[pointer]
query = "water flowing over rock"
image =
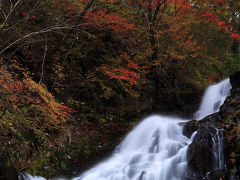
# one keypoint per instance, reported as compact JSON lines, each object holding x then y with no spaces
{"x":205,"y":153}
{"x":155,"y":149}
{"x":226,"y":139}
{"x":217,"y":174}
{"x":169,"y":148}
{"x":190,"y":127}
{"x":213,"y":98}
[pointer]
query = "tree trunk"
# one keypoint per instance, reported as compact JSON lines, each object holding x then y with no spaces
{"x":234,"y":47}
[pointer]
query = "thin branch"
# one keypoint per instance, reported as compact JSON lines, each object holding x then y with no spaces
{"x":148,"y":23}
{"x":12,"y":9}
{"x":123,"y":1}
{"x":24,"y":19}
{"x":65,"y":58}
{"x":64,"y":25}
{"x":43,"y":61}
{"x":36,"y":33}
{"x":86,"y":9}
{"x":1,"y":2}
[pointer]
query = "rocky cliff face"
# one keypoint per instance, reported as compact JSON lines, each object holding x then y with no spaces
{"x":215,"y":151}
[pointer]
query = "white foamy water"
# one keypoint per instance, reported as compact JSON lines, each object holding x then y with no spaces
{"x":218,"y":149}
{"x":156,"y":148}
{"x":213,"y":98}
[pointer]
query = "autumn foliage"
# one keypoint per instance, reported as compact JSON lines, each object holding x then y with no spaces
{"x":100,"y":65}
{"x":226,"y":27}
{"x":127,"y":73}
{"x":17,"y":94}
{"x":104,"y":20}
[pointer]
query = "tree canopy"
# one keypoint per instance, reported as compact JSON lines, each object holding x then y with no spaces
{"x":98,"y":65}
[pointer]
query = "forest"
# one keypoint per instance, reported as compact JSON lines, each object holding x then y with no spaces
{"x":77,"y":75}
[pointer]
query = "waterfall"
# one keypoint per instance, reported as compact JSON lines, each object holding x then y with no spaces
{"x":218,"y":149}
{"x":156,"y":148}
{"x":213,"y":98}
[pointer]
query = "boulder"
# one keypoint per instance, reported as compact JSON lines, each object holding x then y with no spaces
{"x":235,"y":80}
{"x":200,"y":155}
{"x":190,"y":127}
{"x":231,"y":104}
{"x":217,"y":174}
{"x":211,"y":120}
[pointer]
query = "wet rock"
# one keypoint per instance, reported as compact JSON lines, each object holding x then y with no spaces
{"x":217,"y":174}
{"x":231,"y":104}
{"x":190,"y":175}
{"x":190,"y":127}
{"x":200,"y":153}
{"x":211,"y":120}
{"x":235,"y":80}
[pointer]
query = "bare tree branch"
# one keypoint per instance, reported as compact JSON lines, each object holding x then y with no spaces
{"x":10,"y":12}
{"x":88,"y":6}
{"x":43,"y":61}
{"x":1,"y":4}
{"x":65,"y":58}
{"x":36,"y":6}
{"x":123,"y":1}
{"x":45,"y":30}
{"x":65,"y":25}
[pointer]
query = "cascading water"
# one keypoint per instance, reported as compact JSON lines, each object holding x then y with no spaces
{"x":218,"y":149}
{"x":156,"y":148}
{"x":213,"y":98}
